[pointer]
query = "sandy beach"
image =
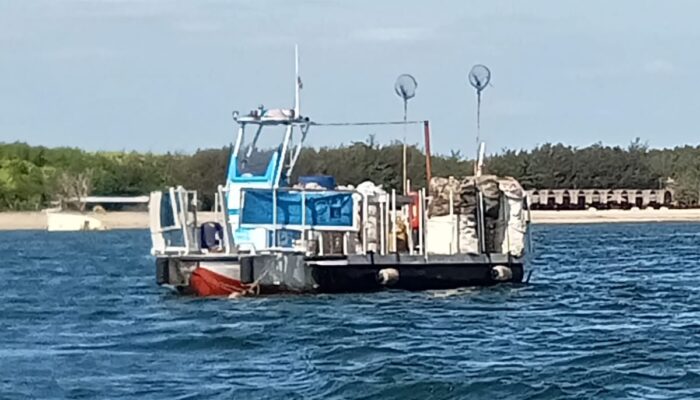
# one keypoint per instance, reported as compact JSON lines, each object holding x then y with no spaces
{"x":613,"y":216}
{"x":37,"y":220}
{"x":139,"y":220}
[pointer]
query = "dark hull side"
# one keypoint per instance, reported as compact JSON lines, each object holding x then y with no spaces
{"x":411,"y":277}
{"x":362,"y":273}
{"x":292,"y":273}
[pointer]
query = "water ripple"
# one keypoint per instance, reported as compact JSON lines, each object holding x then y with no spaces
{"x":611,"y":312}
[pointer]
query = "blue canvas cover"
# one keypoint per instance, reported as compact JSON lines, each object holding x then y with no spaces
{"x":285,"y":237}
{"x":325,"y":181}
{"x":323,"y":209}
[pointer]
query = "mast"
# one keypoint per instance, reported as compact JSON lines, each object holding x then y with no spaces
{"x":479,"y":78}
{"x":405,"y":87}
{"x":297,"y":83}
{"x":404,"y":161}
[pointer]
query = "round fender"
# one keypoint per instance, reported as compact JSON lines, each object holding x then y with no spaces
{"x":388,"y":276}
{"x":501,"y":273}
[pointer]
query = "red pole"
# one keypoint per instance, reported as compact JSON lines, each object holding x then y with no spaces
{"x":428,"y":171}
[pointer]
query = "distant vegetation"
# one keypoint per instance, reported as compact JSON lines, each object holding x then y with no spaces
{"x":32,"y":177}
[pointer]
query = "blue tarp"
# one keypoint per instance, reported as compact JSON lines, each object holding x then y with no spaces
{"x":285,"y":237}
{"x":322,"y":209}
{"x":325,"y":181}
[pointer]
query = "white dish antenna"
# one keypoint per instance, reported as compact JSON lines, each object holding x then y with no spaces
{"x":479,"y":78}
{"x":405,"y":87}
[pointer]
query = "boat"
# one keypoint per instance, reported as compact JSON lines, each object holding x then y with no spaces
{"x":270,"y":235}
{"x":66,"y":221}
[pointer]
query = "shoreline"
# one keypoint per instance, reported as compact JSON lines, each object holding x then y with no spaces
{"x":36,"y":220}
{"x":614,"y":216}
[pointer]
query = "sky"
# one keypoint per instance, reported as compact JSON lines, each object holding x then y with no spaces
{"x":165,"y":75}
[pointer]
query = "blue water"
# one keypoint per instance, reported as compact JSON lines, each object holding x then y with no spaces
{"x":612,"y":312}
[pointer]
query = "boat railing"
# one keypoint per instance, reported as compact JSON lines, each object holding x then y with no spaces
{"x":373,"y":225}
{"x":305,"y":224}
{"x":356,"y":236}
{"x":174,"y":223}
{"x":222,"y":217}
{"x":369,"y":224}
{"x":377,"y":223}
{"x":169,"y":214}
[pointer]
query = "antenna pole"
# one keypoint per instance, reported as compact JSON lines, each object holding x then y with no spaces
{"x":405,"y":87}
{"x":480,"y":159}
{"x":405,"y":118}
{"x":479,"y":78}
{"x":297,"y":83}
{"x":478,"y":130}
{"x":428,"y":168}
{"x":478,"y":117}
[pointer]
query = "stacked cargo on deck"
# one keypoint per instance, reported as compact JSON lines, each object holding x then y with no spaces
{"x":453,"y":222}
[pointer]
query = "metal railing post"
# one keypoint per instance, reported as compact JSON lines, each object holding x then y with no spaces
{"x":380,"y":228}
{"x":274,"y":217}
{"x":423,"y":237}
{"x":240,"y":207}
{"x":419,"y":210}
{"x":225,"y":220}
{"x":320,"y":244}
{"x":182,"y":215}
{"x":394,"y":228}
{"x":303,"y":219}
{"x":387,"y":227}
{"x":481,"y":231}
{"x":365,"y":222}
{"x":452,"y":224}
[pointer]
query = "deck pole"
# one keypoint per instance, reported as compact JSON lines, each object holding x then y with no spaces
{"x":380,"y":228}
{"x":393,"y":221}
{"x":364,"y":222}
{"x":423,"y":236}
{"x":303,"y":219}
{"x":428,"y":166}
{"x":387,"y":220}
{"x":274,"y":217}
{"x":454,"y":226}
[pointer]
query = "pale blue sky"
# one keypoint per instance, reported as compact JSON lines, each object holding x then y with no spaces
{"x":165,"y":75}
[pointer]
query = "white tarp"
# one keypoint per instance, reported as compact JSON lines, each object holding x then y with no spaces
{"x":514,"y":216}
{"x":504,"y":216}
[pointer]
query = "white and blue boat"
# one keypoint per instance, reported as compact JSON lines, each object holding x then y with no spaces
{"x":268,"y":236}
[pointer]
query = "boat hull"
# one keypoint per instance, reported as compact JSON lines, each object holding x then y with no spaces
{"x":267,"y":274}
{"x":201,"y":275}
{"x":410,"y":277}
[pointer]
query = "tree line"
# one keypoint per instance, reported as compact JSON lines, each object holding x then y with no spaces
{"x":34,"y":177}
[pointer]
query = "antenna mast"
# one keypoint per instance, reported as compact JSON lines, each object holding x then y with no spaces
{"x":297,"y":83}
{"x":405,"y":87}
{"x":479,"y":78}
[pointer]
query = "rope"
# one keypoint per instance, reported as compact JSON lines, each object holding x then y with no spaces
{"x":252,"y":290}
{"x":365,"y":123}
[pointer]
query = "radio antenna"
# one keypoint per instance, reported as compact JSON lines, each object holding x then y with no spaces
{"x":479,"y":78}
{"x":297,"y":83}
{"x":405,"y":87}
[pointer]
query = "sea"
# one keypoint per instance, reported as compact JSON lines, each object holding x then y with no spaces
{"x":612,"y":311}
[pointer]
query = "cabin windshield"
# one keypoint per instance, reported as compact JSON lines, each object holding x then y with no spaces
{"x":256,"y":164}
{"x":256,"y":153}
